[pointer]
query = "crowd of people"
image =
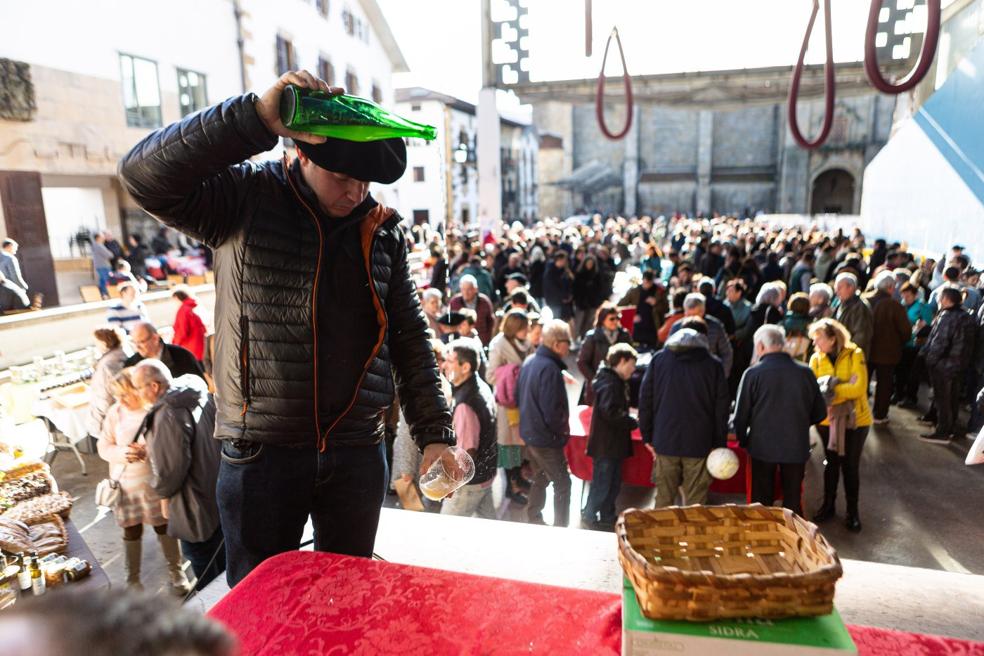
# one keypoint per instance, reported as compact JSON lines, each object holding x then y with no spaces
{"x":754,"y":330}
{"x":113,"y":264}
{"x":153,"y":414}
{"x":737,"y":327}
{"x":137,"y":262}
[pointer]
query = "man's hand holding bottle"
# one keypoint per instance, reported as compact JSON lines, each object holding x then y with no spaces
{"x":268,"y":105}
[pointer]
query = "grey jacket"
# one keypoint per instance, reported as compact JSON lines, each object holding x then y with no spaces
{"x":856,"y":316}
{"x":717,"y":341}
{"x":102,"y":257}
{"x":185,"y":458}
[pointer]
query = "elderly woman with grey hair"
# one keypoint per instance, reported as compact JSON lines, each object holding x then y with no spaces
{"x":766,"y":311}
{"x":821,"y":295}
{"x":890,"y":332}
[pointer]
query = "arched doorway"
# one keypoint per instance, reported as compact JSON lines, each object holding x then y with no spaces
{"x":833,"y":193}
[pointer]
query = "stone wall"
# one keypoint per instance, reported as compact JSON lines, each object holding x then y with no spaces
{"x":668,"y":139}
{"x":745,"y":137}
{"x":691,"y":160}
{"x":79,"y":127}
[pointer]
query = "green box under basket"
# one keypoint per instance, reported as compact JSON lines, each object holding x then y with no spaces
{"x":802,"y":636}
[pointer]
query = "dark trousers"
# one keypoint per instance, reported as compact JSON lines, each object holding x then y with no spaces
{"x":907,"y":376}
{"x":764,"y":483}
{"x":266,"y":494}
{"x":885,"y":380}
{"x":207,"y":558}
{"x":606,"y":481}
{"x":549,"y":467}
{"x":946,"y":396}
{"x":849,"y":463}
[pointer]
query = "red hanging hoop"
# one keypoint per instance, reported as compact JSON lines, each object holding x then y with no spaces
{"x":600,"y":96}
{"x":828,"y":82}
{"x":926,"y":54}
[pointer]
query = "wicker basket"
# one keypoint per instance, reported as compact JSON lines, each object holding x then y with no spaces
{"x":702,"y":563}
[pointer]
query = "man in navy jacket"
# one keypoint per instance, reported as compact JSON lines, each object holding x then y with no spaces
{"x":683,"y":414}
{"x":544,"y":422}
{"x":778,"y":400}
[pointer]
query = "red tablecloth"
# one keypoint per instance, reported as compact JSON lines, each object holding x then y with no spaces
{"x":638,"y":469}
{"x":317,"y":603}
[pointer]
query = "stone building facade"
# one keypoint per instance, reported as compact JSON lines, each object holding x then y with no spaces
{"x":739,"y":159}
{"x":140,"y":66}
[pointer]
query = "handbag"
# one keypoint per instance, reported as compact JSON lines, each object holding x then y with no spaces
{"x":108,"y":491}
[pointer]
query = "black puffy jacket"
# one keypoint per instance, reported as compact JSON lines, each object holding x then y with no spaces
{"x":611,"y":426}
{"x":950,"y":347}
{"x":195,"y":177}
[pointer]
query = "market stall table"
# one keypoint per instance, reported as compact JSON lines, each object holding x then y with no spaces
{"x":312,"y":603}
{"x":77,"y":548}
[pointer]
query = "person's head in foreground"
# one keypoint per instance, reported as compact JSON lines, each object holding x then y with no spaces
{"x":116,"y":622}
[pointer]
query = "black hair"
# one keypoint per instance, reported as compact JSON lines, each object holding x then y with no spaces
{"x":466,"y":352}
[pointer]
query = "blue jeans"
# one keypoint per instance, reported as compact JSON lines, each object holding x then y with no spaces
{"x":200,"y":554}
{"x":606,"y":481}
{"x":103,"y":274}
{"x":266,"y":493}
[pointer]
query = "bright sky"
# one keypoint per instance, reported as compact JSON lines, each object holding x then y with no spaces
{"x":441,"y":39}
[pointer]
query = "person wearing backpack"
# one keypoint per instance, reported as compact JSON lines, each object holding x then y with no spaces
{"x":507,"y":351}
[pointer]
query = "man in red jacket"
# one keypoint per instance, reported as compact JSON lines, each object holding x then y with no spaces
{"x":189,"y":329}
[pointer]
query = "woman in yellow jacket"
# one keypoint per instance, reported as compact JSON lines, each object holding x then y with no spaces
{"x":840,"y":367}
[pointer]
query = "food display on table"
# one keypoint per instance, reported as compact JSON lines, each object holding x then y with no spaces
{"x":15,"y":537}
{"x":22,"y":488}
{"x":73,"y":396}
{"x":49,"y":536}
{"x":38,"y":509}
{"x":13,"y":467}
{"x":44,"y":538}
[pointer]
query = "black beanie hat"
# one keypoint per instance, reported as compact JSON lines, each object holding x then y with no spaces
{"x":370,"y":161}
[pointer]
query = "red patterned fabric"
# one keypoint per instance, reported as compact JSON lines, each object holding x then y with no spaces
{"x":312,"y":603}
{"x":871,"y":641}
{"x":638,"y":469}
{"x":318,"y":603}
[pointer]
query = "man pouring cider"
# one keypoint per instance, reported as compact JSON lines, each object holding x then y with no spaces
{"x":317,"y":319}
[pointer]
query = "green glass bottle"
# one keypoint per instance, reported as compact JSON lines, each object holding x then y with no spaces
{"x":345,"y":117}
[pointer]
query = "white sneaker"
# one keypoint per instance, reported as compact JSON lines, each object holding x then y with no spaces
{"x":880,"y":422}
